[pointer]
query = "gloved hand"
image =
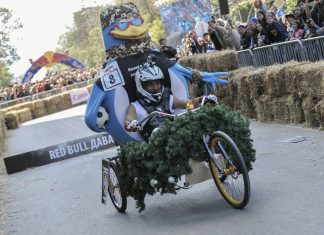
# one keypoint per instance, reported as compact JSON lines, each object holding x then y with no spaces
{"x":211,"y":78}
{"x":133,"y":126}
{"x":212,"y":99}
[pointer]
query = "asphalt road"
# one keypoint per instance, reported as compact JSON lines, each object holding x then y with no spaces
{"x":287,"y":196}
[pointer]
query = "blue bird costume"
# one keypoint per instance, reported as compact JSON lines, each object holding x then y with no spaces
{"x":127,"y":48}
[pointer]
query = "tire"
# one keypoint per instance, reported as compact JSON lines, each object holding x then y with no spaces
{"x":229,"y":173}
{"x":116,"y":190}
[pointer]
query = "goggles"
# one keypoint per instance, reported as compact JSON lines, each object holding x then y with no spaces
{"x":137,"y":21}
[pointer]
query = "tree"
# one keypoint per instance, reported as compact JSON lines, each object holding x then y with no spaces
{"x":8,"y":53}
{"x":84,"y":40}
{"x":242,"y":11}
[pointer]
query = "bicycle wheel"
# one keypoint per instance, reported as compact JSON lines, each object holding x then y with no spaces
{"x":229,"y":170}
{"x":115,"y":188}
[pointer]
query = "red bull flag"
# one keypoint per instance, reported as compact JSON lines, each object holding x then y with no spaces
{"x":49,"y":59}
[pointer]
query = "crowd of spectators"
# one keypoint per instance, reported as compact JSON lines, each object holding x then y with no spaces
{"x":265,"y":28}
{"x":49,"y":82}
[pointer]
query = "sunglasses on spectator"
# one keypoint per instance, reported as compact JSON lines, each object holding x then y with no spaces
{"x":137,"y":21}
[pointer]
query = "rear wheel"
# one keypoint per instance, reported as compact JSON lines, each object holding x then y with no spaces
{"x":228,"y":169}
{"x":115,"y":188}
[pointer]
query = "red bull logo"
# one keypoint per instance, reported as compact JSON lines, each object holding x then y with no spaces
{"x":40,"y":62}
{"x":57,"y":57}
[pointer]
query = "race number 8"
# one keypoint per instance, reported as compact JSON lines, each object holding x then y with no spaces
{"x":112,"y":80}
{"x":111,"y":76}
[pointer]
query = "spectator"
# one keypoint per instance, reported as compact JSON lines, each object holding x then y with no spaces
{"x":233,"y":36}
{"x":210,"y":45}
{"x":298,"y":31}
{"x":261,"y":35}
{"x":275,"y":31}
{"x":300,"y":15}
{"x":317,"y":13}
{"x":220,"y":36}
{"x":311,"y":29}
{"x":194,"y":47}
{"x":242,"y":30}
{"x":169,"y":51}
{"x":261,"y":16}
{"x":203,"y":45}
{"x":258,"y":5}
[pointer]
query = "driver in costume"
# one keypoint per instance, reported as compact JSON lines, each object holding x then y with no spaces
{"x":153,"y":96}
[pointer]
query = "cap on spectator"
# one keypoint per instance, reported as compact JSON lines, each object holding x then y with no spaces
{"x":290,"y":15}
{"x":254,"y":20}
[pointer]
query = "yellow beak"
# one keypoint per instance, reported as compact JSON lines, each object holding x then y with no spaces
{"x":132,"y":32}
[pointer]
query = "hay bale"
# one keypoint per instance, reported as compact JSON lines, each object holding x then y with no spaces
{"x":3,"y":144}
{"x":10,"y":116}
{"x":24,"y":105}
{"x":54,"y":100}
{"x":38,"y":104}
{"x":218,"y":61}
{"x":12,"y":124}
{"x":66,"y":104}
{"x":263,"y":111}
{"x":319,"y":113}
{"x":39,"y":112}
{"x":51,"y":108}
{"x":307,"y":79}
{"x":24,"y":115}
{"x":309,"y":110}
{"x":66,"y":96}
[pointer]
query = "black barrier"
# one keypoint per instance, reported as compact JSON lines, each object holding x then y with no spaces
{"x":58,"y":152}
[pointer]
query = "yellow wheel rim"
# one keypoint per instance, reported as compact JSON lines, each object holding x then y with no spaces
{"x":228,"y":172}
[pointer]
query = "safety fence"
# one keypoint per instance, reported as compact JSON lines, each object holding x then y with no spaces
{"x":299,"y":50}
{"x":46,"y":94}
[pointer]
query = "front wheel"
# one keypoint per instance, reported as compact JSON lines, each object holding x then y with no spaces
{"x":228,"y":169}
{"x":115,"y":188}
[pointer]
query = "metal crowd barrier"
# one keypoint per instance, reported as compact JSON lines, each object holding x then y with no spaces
{"x":311,"y":49}
{"x":15,"y":101}
{"x":315,"y":48}
{"x":279,"y":53}
{"x":46,"y":94}
{"x":245,"y":58}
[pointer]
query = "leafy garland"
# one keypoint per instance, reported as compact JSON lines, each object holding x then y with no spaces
{"x":169,"y":150}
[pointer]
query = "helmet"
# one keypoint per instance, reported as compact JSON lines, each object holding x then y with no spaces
{"x":149,"y":72}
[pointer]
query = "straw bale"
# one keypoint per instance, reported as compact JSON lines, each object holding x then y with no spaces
{"x":65,"y":96}
{"x":53,"y":100}
{"x":66,"y":104}
{"x":24,"y":115}
{"x":218,"y":61}
{"x":312,"y":119}
{"x":38,"y":104}
{"x":263,"y":111}
{"x":307,"y":79}
{"x":51,"y":108}
{"x":319,"y":113}
{"x":10,"y":116}
{"x":24,"y":105}
{"x":12,"y":124}
{"x":39,"y":112}
{"x":3,"y":144}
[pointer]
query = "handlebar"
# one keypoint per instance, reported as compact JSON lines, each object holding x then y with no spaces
{"x":138,"y":125}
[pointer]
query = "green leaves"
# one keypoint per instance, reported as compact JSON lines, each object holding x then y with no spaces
{"x":169,"y":151}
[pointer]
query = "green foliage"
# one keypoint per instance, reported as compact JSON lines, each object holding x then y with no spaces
{"x":84,"y":40}
{"x":157,"y":30}
{"x":8,"y":53}
{"x":169,"y":150}
{"x":242,"y":11}
{"x":290,"y":5}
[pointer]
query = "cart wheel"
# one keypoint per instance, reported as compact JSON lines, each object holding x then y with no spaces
{"x":229,"y":170}
{"x":116,"y":190}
